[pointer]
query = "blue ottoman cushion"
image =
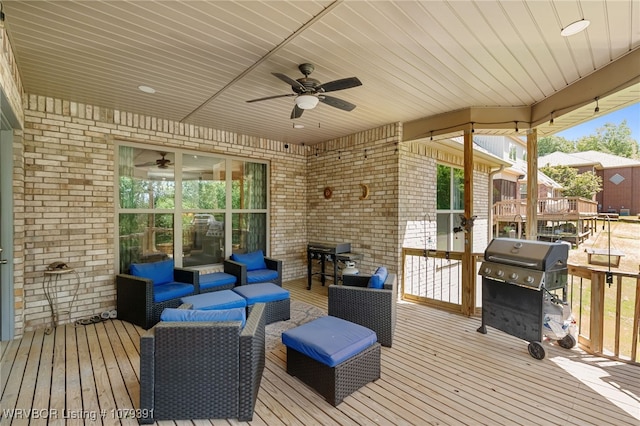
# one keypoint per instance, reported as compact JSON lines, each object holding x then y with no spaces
{"x":329,"y":340}
{"x":261,"y":276}
{"x":216,"y":279}
{"x":223,"y":299}
{"x":261,"y":293}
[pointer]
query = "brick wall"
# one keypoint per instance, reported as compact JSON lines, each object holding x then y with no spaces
{"x":370,"y":225}
{"x":67,"y":190}
{"x":418,"y":171}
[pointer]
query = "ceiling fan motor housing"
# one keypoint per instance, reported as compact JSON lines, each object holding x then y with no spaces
{"x":309,"y":84}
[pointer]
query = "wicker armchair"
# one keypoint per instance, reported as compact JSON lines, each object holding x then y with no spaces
{"x":137,"y":300}
{"x":270,"y":271}
{"x":202,"y":370}
{"x":369,"y":307}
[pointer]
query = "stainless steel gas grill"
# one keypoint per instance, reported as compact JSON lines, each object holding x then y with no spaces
{"x":517,"y":275}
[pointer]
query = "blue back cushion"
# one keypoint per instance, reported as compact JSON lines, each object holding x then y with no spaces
{"x":378,"y":278}
{"x":254,"y":260}
{"x":217,"y":315}
{"x":158,"y":272}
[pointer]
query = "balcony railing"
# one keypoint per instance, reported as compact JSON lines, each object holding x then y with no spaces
{"x":607,"y":315}
{"x":573,"y":206}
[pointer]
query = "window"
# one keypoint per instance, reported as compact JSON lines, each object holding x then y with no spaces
{"x":203,"y":207}
{"x":450,"y":206}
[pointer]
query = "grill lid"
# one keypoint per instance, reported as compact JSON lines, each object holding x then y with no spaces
{"x":538,"y":255}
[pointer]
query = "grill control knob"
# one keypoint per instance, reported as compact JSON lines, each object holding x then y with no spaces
{"x":499,"y":273}
{"x":513,"y":276}
{"x":529,"y":279}
{"x":487,"y":270}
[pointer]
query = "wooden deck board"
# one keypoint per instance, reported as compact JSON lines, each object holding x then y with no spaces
{"x":439,"y":371}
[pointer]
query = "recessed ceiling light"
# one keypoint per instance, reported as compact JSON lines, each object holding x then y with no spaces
{"x":575,"y":27}
{"x":146,"y":89}
{"x":298,"y":126}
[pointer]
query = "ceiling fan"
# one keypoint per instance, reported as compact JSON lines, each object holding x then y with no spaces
{"x":309,"y":91}
{"x":162,"y":162}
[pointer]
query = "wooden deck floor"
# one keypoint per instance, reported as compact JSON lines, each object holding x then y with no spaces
{"x":439,"y":371}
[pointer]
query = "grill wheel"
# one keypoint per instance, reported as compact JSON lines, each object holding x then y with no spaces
{"x":567,"y":342}
{"x":536,"y":350}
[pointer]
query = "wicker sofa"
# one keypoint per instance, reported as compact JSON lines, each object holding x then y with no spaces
{"x":137,"y":295}
{"x":202,"y":370}
{"x":370,"y":307}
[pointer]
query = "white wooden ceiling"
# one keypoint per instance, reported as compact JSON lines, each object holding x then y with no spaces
{"x":415,"y":58}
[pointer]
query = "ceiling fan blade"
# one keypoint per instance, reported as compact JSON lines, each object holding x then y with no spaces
{"x":147,"y":164}
{"x":273,"y":97}
{"x":296,"y":112}
{"x":336,"y":103}
{"x":343,"y":83}
{"x":291,"y":82}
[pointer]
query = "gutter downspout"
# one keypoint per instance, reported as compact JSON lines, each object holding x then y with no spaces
{"x":490,"y":227}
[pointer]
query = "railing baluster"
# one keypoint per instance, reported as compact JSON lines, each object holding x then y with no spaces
{"x":618,"y":306}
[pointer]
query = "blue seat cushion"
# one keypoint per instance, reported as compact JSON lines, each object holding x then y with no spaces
{"x":253,"y":260}
{"x":329,"y":340}
{"x":172,"y":290}
{"x":378,"y":278}
{"x":221,"y":315}
{"x":223,"y":299}
{"x":261,"y":275}
{"x":216,"y":279}
{"x":261,"y":293}
{"x":158,"y":272}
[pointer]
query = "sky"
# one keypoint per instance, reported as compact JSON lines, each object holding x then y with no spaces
{"x":630,"y":113}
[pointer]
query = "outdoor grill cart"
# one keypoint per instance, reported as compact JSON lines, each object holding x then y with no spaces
{"x":517,"y":279}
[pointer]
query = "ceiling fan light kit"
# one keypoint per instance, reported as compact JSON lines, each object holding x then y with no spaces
{"x":306,"y":101}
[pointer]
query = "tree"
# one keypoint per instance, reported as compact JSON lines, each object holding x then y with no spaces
{"x":550,"y":144}
{"x":584,"y":185}
{"x":611,"y":139}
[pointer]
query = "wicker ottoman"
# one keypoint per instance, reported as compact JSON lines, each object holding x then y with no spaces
{"x":332,"y":356}
{"x":276,"y":298}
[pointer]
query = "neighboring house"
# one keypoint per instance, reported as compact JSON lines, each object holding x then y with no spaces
{"x":620,"y":178}
{"x":511,"y":183}
{"x":558,"y":217}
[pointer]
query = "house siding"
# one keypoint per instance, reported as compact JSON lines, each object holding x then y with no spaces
{"x":624,"y":195}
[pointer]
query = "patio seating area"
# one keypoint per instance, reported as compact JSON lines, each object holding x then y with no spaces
{"x":439,"y":370}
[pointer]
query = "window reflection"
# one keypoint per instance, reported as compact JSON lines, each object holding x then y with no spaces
{"x":144,"y":237}
{"x":220,"y":207}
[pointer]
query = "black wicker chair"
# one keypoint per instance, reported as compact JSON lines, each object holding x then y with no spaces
{"x":135,"y":297}
{"x":369,"y":307}
{"x":202,"y":370}
{"x":245,"y":276}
